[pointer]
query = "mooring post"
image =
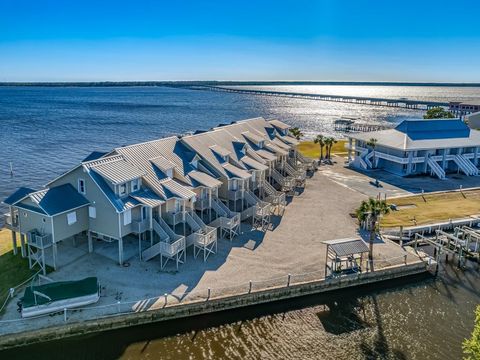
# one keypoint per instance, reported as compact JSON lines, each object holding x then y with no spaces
{"x":118,"y":306}
{"x":288,"y":280}
{"x":166,"y":299}
{"x":250,"y":287}
{"x":208,"y":295}
{"x":65,"y":314}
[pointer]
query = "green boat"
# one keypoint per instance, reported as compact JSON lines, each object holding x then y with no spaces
{"x":57,"y":296}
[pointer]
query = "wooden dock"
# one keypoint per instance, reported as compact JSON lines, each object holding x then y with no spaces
{"x":398,"y":103}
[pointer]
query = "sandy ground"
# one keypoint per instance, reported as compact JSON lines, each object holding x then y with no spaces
{"x":294,"y":247}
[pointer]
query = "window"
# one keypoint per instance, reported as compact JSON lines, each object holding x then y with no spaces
{"x":81,"y":186}
{"x":144,"y":212}
{"x":170,"y":173}
{"x":92,"y":212}
{"x":122,"y":190}
{"x":254,"y":176}
{"x":261,"y":144}
{"x":72,"y":218}
{"x":127,"y":217}
{"x":135,"y":184}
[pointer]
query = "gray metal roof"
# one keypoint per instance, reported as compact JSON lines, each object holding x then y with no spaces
{"x":57,"y":200}
{"x":162,"y":163}
{"x":220,"y":150}
{"x":205,"y":179}
{"x":236,"y":172}
{"x":253,"y":164}
{"x":266,"y":154}
{"x":253,"y":137}
{"x":346,"y":247}
{"x":115,"y":169}
{"x":278,"y":124}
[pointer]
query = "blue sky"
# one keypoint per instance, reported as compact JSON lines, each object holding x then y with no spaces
{"x":239,"y":40}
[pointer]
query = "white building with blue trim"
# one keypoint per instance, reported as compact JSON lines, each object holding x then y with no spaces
{"x":436,"y":147}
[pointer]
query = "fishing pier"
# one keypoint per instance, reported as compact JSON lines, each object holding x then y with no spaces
{"x":397,"y":103}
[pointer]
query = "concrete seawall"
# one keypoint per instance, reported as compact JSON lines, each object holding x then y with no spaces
{"x":206,"y":307}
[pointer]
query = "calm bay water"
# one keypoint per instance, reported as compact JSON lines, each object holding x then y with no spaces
{"x":45,"y":131}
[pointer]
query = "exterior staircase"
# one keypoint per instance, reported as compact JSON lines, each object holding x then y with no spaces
{"x":436,"y":169}
{"x":465,"y":165}
{"x":169,"y":244}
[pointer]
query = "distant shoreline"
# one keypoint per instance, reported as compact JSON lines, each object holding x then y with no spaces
{"x":232,"y":83}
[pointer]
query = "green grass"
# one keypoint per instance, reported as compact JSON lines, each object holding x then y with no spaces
{"x":13,"y":268}
{"x":428,"y":209}
{"x":312,"y":150}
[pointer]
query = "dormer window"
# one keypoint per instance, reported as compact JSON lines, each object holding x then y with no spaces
{"x":226,"y":158}
{"x":170,"y":173}
{"x":261,"y":144}
{"x":135,"y":184}
{"x":122,"y":189}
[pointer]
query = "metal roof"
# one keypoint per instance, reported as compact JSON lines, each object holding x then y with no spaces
{"x":162,"y":163}
{"x":288,"y":139}
{"x":281,"y":144}
{"x":59,"y":199}
{"x":253,"y":164}
{"x":236,"y":172}
{"x":279,"y":125}
{"x":174,"y":189}
{"x":257,"y":139}
{"x":147,"y":197}
{"x":18,"y":195}
{"x":416,"y":136}
{"x":266,"y":154}
{"x":345,"y":247}
{"x":205,"y":179}
{"x":115,"y":169}
{"x":220,"y":150}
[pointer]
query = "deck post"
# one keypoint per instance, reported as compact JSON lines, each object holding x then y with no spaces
{"x":14,"y":242}
{"x":90,"y":242}
{"x":22,"y":245}
{"x":120,"y":251}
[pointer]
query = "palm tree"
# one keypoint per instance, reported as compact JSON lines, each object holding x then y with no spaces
{"x":372,"y":143}
{"x":320,"y":140}
{"x":296,"y":133}
{"x":330,"y":143}
{"x":368,"y":213}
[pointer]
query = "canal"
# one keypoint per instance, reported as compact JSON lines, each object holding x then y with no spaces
{"x":416,"y":318}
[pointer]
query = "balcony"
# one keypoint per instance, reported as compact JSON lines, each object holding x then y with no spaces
{"x":235,"y":195}
{"x":140,"y":226}
{"x":39,"y":240}
{"x":202,"y":204}
{"x":10,"y":223}
{"x":173,"y":218}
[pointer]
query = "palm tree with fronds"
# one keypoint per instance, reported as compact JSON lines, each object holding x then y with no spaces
{"x":320,"y":140}
{"x":368,"y":214}
{"x":329,"y":142}
{"x":296,"y":133}
{"x":372,"y":144}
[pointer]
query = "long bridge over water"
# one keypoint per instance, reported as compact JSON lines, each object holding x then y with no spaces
{"x":400,"y":103}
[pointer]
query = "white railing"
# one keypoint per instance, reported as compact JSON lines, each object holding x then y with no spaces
{"x":235,"y":195}
{"x":140,"y":226}
{"x":173,"y":218}
{"x":39,"y":240}
{"x":173,"y":248}
{"x":202,"y":204}
{"x":437,"y":169}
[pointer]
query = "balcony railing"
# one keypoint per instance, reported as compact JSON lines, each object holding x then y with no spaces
{"x":39,"y":240}
{"x":140,"y":226}
{"x":172,"y":218}
{"x":10,"y":223}
{"x":202,"y":204}
{"x":235,"y":195}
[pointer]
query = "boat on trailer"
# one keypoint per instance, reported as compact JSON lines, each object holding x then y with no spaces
{"x":57,"y":296}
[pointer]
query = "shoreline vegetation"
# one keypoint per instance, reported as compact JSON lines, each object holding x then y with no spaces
{"x":229,"y":83}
